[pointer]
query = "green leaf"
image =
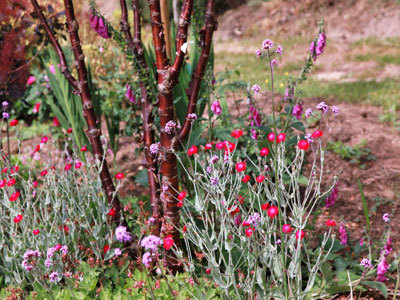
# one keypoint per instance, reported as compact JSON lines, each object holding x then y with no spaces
{"x":340,"y":264}
{"x":381,"y":287}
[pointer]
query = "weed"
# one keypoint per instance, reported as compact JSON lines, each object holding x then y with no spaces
{"x":359,"y":154}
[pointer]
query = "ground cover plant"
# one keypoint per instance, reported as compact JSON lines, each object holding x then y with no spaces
{"x":235,"y":197}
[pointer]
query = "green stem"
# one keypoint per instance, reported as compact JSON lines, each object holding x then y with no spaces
{"x":283,"y":258}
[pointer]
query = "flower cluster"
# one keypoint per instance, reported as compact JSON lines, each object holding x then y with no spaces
{"x":316,"y":49}
{"x":29,"y":259}
{"x":122,"y":235}
{"x":331,"y":199}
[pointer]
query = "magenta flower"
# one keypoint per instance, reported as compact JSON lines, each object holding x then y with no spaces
{"x":147,"y":259}
{"x":267,"y":44}
{"x":366,"y":263}
{"x":320,"y":44}
{"x":343,"y":235}
{"x":388,"y":247}
{"x":279,"y":50}
{"x":151,"y":243}
{"x":154,"y":148}
{"x":274,"y":63}
{"x":52,"y":69}
{"x":297,"y":111}
{"x":335,"y":110}
{"x":130,"y":94}
{"x":216,"y":107}
{"x":323,"y":107}
{"x":31,"y":80}
{"x":254,"y":115}
{"x":383,"y":267}
{"x":308,"y":112}
{"x":332,"y":197}
{"x":53,"y":277}
{"x":256,"y":89}
{"x":258,"y":53}
{"x":98,"y":25}
{"x":170,"y":126}
{"x":386,"y":218}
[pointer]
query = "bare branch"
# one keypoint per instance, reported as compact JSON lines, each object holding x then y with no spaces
{"x":56,"y":45}
{"x":195,"y":84}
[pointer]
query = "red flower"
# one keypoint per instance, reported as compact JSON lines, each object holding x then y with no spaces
{"x":264,"y":206}
{"x":69,"y":130}
{"x":4,"y":170}
{"x":3,"y":183}
{"x":286,"y":228}
{"x":303,"y":145}
{"x":249,"y":231}
{"x":241,"y":166}
{"x":57,"y":247}
{"x":300,"y":234}
{"x":272,"y":211}
{"x":37,"y":148}
{"x":14,"y":122}
{"x":246,"y":178}
{"x":179,"y":204}
{"x":112,"y":212}
{"x":56,"y":123}
{"x":44,"y":140}
{"x":119,"y":175}
{"x":281,"y":138}
{"x":16,"y":168}
{"x":246,"y":224}
{"x":230,"y":146}
{"x":11,"y":182}
{"x":106,"y":248}
{"x":14,"y":196}
{"x":271,"y":137}
{"x":18,"y":218}
{"x":208,"y":271}
{"x":66,"y":229}
{"x":192,"y":150}
{"x":181,"y":195}
{"x":184,"y":228}
{"x":234,"y":211}
{"x":35,"y":183}
{"x":316,"y":134}
{"x":260,"y":178}
{"x":168,"y":242}
{"x":36,"y":231}
{"x":220,"y":145}
{"x":43,"y":173}
{"x":83,"y":149}
{"x":264,"y":152}
{"x":331,"y":223}
{"x":78,"y":165}
{"x":208,"y":146}
{"x":67,"y":167}
{"x":237,"y":134}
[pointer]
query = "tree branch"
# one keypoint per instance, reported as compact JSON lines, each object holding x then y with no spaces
{"x":125,"y":27}
{"x":195,"y":84}
{"x":56,"y":45}
{"x":181,"y":38}
{"x":92,"y":132}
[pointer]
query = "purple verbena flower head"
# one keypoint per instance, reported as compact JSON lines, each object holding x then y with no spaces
{"x":237,"y":220}
{"x":274,"y":63}
{"x":256,"y":89}
{"x":154,"y":148}
{"x":147,"y":259}
{"x":279,"y":50}
{"x":5,"y":115}
{"x":213,"y":159}
{"x":216,"y":108}
{"x":323,"y":107}
{"x":151,"y":242}
{"x":27,"y":266}
{"x":53,"y":277}
{"x":117,"y":252}
{"x":64,"y":249}
{"x":385,"y":217}
{"x":335,"y":110}
{"x":122,"y":235}
{"x":214,"y":181}
{"x":366,"y":263}
{"x":267,"y":44}
{"x":254,"y":219}
{"x":4,"y":104}
{"x":208,"y":169}
{"x":48,"y":263}
{"x":170,"y":126}
{"x":308,"y":112}
{"x":258,"y":53}
{"x":310,"y":140}
{"x":192,"y":117}
{"x":297,"y":111}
